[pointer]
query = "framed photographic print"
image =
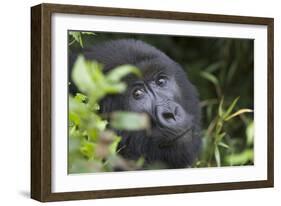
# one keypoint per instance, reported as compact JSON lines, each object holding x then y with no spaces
{"x":132,"y":102}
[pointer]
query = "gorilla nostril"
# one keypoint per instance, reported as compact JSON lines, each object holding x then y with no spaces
{"x":168,"y":115}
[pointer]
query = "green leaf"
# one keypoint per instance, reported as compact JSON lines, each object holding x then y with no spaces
{"x":230,"y":108}
{"x":85,"y":166}
{"x":77,"y":37}
{"x":101,"y":124}
{"x":241,"y":111}
{"x":231,"y":71}
{"x":80,"y":40}
{"x":81,"y":97}
{"x":209,"y":111}
{"x":140,"y":162}
{"x":129,"y":121}
{"x":73,"y":117}
{"x":241,"y":158}
{"x":77,"y":107}
{"x":217,"y":156}
{"x":73,"y":144}
{"x":114,"y":145}
{"x":219,"y":126}
{"x":95,"y":70}
{"x":220,"y":136}
{"x":210,"y":77}
{"x":223,"y":145}
{"x":119,"y":72}
{"x":250,"y":133}
{"x":115,"y":88}
{"x":87,"y":149}
{"x":88,"y":33}
{"x":221,"y":107}
{"x":214,"y":66}
{"x":94,"y":106}
{"x":93,"y":134}
{"x":81,"y":76}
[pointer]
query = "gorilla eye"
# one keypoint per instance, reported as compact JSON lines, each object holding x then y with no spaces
{"x":138,"y":93}
{"x":161,"y":81}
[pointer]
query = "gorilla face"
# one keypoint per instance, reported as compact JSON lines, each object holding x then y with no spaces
{"x":164,"y":93}
{"x":159,"y":95}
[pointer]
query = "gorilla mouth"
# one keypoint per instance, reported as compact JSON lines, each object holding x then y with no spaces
{"x":170,"y":142}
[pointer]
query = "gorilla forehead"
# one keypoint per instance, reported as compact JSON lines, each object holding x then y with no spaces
{"x":129,"y":51}
{"x":154,"y":66}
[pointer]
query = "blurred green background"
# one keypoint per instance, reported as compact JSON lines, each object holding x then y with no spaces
{"x":222,"y":69}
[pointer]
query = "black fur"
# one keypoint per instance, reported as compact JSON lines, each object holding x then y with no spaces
{"x":179,"y":99}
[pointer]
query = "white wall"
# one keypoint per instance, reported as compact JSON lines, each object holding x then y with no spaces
{"x":15,"y":103}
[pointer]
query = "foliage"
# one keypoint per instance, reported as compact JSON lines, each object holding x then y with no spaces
{"x":220,"y":146}
{"x":92,"y":146}
{"x":220,"y":68}
{"x":214,"y":144}
{"x":77,"y":37}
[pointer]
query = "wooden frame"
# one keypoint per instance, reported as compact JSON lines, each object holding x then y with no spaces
{"x":41,"y":101}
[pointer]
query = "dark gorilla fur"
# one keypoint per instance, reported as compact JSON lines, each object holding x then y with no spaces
{"x":172,"y":107}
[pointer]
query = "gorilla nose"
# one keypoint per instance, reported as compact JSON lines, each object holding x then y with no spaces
{"x":168,"y":116}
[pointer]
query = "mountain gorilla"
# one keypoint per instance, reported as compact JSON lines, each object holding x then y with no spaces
{"x":164,"y":93}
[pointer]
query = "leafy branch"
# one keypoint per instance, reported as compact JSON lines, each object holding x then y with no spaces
{"x":93,"y":147}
